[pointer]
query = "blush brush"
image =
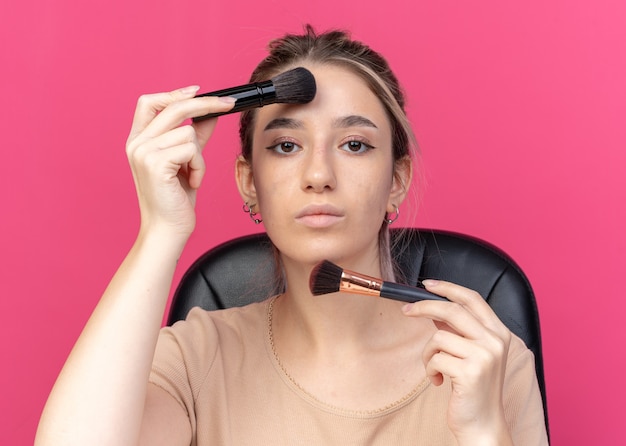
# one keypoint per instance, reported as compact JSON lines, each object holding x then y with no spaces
{"x":296,"y":86}
{"x":327,"y":277}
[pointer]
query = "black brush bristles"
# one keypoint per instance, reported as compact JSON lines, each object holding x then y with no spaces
{"x":295,"y":86}
{"x":325,"y":278}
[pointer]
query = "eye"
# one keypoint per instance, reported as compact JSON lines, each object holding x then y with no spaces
{"x":356,"y":146}
{"x":284,"y":147}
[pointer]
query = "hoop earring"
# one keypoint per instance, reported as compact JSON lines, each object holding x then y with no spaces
{"x":248,"y":210}
{"x":391,"y":220}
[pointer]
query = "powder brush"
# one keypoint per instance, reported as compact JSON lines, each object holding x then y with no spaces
{"x":327,"y":277}
{"x":296,"y":86}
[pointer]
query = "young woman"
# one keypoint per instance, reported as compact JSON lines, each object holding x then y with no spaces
{"x":293,"y":369}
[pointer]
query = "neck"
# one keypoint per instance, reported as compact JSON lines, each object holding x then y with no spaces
{"x":333,"y":320}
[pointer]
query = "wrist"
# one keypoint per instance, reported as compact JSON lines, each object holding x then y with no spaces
{"x":168,"y":241}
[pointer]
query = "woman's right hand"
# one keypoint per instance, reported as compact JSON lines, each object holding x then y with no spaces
{"x":166,"y":157}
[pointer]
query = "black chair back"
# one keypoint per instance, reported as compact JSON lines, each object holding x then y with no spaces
{"x":242,"y":271}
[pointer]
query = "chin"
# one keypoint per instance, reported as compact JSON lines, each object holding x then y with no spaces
{"x":311,"y":246}
{"x":311,"y":254}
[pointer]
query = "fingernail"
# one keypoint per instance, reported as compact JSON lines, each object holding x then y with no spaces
{"x":430,"y":283}
{"x":192,"y":89}
{"x":406,"y":308}
{"x":227,"y":99}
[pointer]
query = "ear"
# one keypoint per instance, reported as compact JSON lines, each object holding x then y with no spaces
{"x":245,"y":181}
{"x":402,"y":176}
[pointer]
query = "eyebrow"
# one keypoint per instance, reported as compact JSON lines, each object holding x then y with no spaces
{"x":343,"y":122}
{"x":353,"y":121}
{"x":283,"y":123}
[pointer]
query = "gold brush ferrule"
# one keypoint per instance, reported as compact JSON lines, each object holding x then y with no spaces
{"x":359,"y":284}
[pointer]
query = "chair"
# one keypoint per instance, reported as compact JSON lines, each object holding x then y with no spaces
{"x":241,"y":271}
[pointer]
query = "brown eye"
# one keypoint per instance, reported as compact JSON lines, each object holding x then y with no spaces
{"x":287,"y":146}
{"x":284,"y":147}
{"x":356,"y":146}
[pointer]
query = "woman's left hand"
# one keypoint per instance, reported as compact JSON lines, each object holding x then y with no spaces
{"x":470,"y":347}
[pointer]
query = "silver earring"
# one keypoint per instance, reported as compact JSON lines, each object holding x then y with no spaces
{"x":248,"y":210}
{"x":396,"y":214}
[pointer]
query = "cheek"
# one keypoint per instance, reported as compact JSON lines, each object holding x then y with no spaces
{"x":373,"y":186}
{"x":272,"y":189}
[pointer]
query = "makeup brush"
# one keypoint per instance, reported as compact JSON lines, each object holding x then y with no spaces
{"x":296,"y":86}
{"x":327,"y":277}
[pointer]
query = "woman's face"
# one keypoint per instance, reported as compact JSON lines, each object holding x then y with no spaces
{"x":322,"y":175}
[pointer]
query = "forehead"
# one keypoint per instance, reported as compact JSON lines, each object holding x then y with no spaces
{"x":340,"y":93}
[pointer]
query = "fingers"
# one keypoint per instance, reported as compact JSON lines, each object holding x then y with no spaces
{"x":166,"y":157}
{"x":157,"y":126}
{"x":470,"y":339}
{"x":459,"y":358}
{"x":182,"y":161}
{"x":466,"y":317}
{"x":177,"y":148}
{"x":467,"y":312}
{"x":441,"y":355}
{"x":470,"y":347}
{"x":204,"y":130}
{"x":442,"y":364}
{"x":451,"y":314}
{"x":444,"y":341}
{"x":177,"y":136}
{"x":461,"y":295}
{"x":150,"y":105}
{"x":158,"y":113}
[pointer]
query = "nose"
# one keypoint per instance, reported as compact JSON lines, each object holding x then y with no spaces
{"x":318,"y":171}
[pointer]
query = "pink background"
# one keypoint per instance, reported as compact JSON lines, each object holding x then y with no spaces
{"x":519,"y":108}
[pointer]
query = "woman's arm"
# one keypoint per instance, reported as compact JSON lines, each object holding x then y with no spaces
{"x":101,"y":393}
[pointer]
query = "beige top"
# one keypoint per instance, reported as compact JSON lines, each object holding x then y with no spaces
{"x":221,"y":369}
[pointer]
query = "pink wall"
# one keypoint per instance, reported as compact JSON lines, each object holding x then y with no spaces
{"x":519,"y":107}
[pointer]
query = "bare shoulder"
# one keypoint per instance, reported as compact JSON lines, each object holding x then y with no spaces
{"x":164,"y":420}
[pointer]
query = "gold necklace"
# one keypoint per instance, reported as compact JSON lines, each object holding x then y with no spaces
{"x":270,"y":317}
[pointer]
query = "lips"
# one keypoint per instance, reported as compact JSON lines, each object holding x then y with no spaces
{"x":319,"y":215}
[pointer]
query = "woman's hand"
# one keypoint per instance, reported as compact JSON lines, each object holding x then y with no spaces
{"x":100,"y":396}
{"x":469,"y":347}
{"x":166,"y":156}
